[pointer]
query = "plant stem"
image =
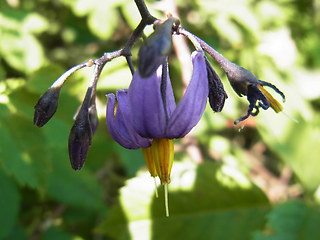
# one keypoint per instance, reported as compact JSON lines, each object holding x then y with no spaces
{"x":147,"y":18}
{"x":226,"y":65}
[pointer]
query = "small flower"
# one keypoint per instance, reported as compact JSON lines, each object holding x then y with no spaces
{"x":147,"y":117}
{"x":151,"y":119}
{"x":46,"y":106}
{"x":244,"y":82}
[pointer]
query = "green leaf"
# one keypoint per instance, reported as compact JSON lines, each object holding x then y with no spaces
{"x":203,"y":201}
{"x":292,"y":221}
{"x":9,"y":204}
{"x":2,"y":71}
{"x":17,"y":232}
{"x":131,"y":159}
{"x":102,"y":15}
{"x":20,"y":156}
{"x":54,"y":233}
{"x":42,"y":79}
{"x":77,"y":188}
{"x":21,"y":49}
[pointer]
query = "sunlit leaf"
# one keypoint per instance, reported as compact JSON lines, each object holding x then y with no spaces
{"x":21,"y":49}
{"x":20,"y":156}
{"x":101,"y":15}
{"x":202,"y":201}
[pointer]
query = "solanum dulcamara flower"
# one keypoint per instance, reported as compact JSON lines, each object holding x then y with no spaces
{"x":146,"y":115}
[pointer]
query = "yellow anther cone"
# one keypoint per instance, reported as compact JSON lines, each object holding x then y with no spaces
{"x":276,"y":106}
{"x":162,"y":152}
{"x":159,"y":159}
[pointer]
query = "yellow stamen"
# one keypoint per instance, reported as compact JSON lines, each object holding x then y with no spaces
{"x":276,"y":106}
{"x":162,"y":152}
{"x":147,"y":153}
{"x":159,"y":160}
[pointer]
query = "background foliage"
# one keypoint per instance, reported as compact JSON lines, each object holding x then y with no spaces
{"x":259,"y":180}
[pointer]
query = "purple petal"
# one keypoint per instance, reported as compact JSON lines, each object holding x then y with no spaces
{"x":119,"y":125}
{"x":146,"y":105}
{"x":191,"y":107}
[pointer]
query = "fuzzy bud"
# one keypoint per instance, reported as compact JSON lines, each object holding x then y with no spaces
{"x":46,"y":106}
{"x":80,"y":136}
{"x":217,"y":94}
{"x":155,"y":48}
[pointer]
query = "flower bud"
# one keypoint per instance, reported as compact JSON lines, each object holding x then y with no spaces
{"x":155,"y":48}
{"x":217,"y":94}
{"x":46,"y":106}
{"x":80,"y":136}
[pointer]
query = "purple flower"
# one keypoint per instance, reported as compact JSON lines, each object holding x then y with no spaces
{"x":147,"y":116}
{"x":155,"y":117}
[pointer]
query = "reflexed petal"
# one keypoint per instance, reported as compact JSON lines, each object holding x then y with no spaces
{"x":119,"y":124}
{"x":191,"y":107}
{"x":146,"y":105}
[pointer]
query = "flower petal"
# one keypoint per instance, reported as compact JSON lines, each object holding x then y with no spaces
{"x":191,"y":107}
{"x":146,"y":105}
{"x":119,"y":124}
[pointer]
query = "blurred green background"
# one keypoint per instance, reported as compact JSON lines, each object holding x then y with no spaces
{"x":257,"y":180}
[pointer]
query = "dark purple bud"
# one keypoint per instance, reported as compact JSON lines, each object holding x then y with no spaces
{"x":155,"y":49}
{"x":46,"y":106}
{"x":80,"y":136}
{"x":217,"y":94}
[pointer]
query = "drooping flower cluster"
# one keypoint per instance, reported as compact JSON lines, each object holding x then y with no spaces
{"x":147,"y":115}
